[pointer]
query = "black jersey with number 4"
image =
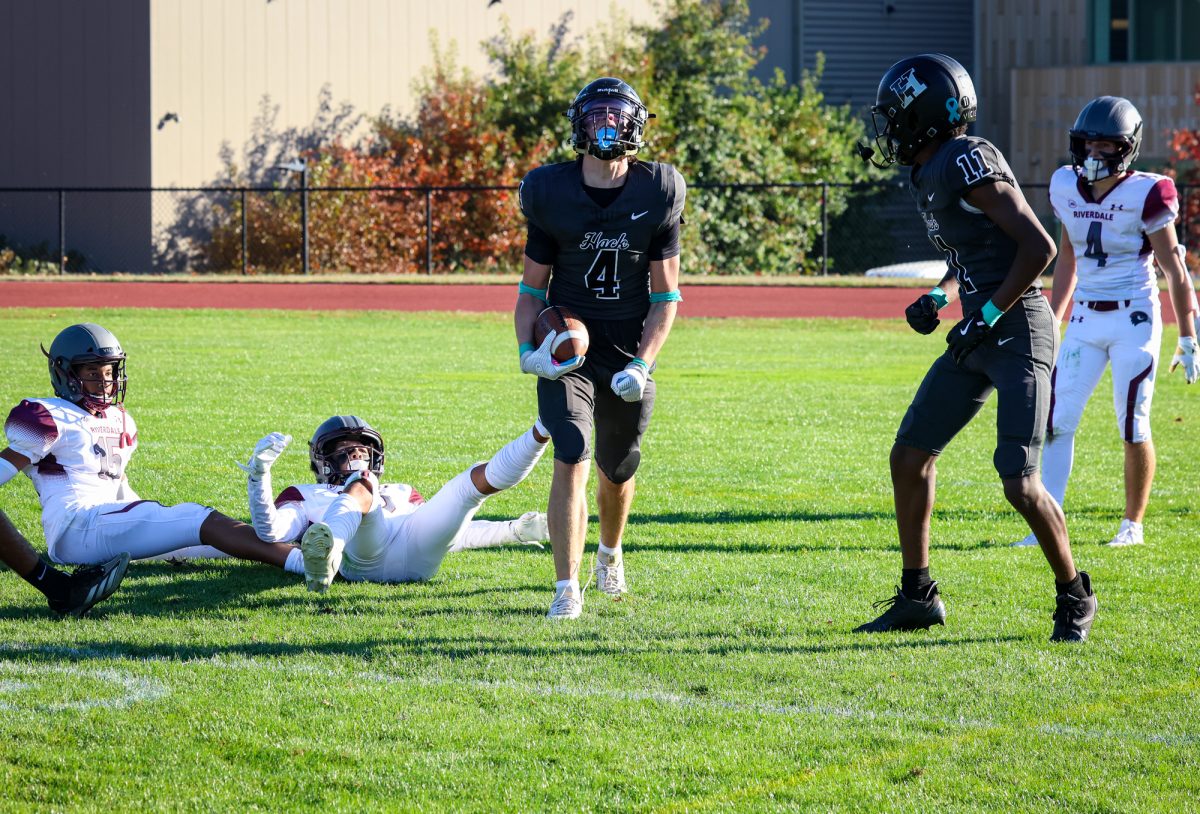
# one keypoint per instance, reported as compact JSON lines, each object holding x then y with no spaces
{"x":602,"y":269}
{"x":975,"y":248}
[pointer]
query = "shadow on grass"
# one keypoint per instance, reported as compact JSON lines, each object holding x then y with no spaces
{"x":580,"y":644}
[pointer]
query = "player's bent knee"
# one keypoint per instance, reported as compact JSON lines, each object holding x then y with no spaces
{"x":1015,"y":462}
{"x":570,"y":444}
{"x":622,"y":470}
{"x":1022,"y":492}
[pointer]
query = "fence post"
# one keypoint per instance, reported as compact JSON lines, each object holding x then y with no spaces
{"x":304,"y":212}
{"x":62,"y":231}
{"x":429,"y":230}
{"x":824,"y":229}
{"x":244,"y":254}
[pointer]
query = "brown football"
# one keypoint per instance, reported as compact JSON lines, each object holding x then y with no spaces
{"x":572,"y":339}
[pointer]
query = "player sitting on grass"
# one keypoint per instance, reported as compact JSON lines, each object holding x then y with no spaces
{"x":68,"y":594}
{"x":76,"y":447}
{"x":351,"y":523}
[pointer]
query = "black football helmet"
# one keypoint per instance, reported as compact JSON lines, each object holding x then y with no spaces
{"x":919,"y":100}
{"x":1106,"y":118}
{"x":331,"y":465}
{"x":607,"y":119}
{"x":77,"y":345}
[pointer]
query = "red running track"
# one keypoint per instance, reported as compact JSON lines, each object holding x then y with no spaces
{"x":699,"y":300}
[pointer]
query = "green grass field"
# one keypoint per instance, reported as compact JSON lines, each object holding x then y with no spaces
{"x":727,"y":680}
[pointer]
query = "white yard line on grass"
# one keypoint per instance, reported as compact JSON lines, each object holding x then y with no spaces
{"x":138,"y":690}
{"x":130,"y":689}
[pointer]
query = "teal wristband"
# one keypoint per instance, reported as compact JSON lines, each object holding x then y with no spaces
{"x":939,"y":297}
{"x":637,"y":360}
{"x":666,"y":296}
{"x":991,"y":313}
{"x":524,"y":347}
{"x":540,"y":293}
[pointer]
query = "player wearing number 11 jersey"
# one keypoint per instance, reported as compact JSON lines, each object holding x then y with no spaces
{"x":603,"y":241}
{"x":1116,"y":223}
{"x":995,"y":250}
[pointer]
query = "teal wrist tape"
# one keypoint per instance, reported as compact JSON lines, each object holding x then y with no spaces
{"x":524,"y":347}
{"x":666,"y":296}
{"x":991,"y":313}
{"x":939,"y":297}
{"x":637,"y":360}
{"x":540,"y":293}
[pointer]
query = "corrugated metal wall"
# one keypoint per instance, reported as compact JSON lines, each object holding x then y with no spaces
{"x":76,"y":98}
{"x":863,"y":38}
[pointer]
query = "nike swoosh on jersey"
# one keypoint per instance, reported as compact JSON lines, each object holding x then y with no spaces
{"x":965,"y":328}
{"x":1005,"y":339}
{"x":929,"y":197}
{"x":636,"y":215}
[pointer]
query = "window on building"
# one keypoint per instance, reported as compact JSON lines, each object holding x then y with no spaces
{"x":1145,"y":30}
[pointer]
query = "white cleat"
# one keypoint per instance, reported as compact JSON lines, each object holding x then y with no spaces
{"x":1130,"y":533}
{"x":610,"y":577}
{"x":1031,"y":540}
{"x":322,"y":557}
{"x":567,"y":604}
{"x":531,"y":528}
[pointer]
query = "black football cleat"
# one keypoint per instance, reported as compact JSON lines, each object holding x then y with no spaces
{"x":91,"y":584}
{"x":1073,"y":614}
{"x":907,"y":614}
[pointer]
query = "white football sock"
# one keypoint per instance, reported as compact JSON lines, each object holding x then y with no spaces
{"x":343,"y":517}
{"x":572,"y":584}
{"x":295,"y":562}
{"x":514,"y":462}
{"x":610,"y":554}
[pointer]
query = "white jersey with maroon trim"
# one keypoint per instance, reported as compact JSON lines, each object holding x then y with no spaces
{"x":1113,"y":257}
{"x":77,"y":460}
{"x":297,"y":507}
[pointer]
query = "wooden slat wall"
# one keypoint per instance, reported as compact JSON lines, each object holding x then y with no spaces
{"x":212,"y":62}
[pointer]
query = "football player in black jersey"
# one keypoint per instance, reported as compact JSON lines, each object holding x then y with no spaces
{"x":603,"y":241}
{"x":995,"y":251}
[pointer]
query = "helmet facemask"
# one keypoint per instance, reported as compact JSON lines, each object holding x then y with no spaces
{"x":333,"y":461}
{"x":1094,"y":168}
{"x":607,"y":127}
{"x":69,"y":385}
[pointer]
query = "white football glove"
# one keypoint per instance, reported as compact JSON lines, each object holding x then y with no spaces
{"x":630,"y":383}
{"x":1185,"y":354}
{"x":541,"y":362}
{"x":265,"y":453}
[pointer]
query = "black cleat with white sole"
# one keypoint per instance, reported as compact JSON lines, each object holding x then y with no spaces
{"x":89,"y":585}
{"x":905,"y":613}
{"x":1073,"y":615}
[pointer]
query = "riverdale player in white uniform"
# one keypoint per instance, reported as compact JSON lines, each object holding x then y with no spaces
{"x":1116,"y":224}
{"x":76,"y":447}
{"x":352,"y":524}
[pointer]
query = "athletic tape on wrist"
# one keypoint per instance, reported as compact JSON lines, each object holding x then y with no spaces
{"x":991,"y":313}
{"x":525,"y":346}
{"x":637,"y":360}
{"x":540,"y":293}
{"x":939,"y":297}
{"x":666,"y":296}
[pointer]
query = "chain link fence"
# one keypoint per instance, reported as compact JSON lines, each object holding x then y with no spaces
{"x":431,"y":230}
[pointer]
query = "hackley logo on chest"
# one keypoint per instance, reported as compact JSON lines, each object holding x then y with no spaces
{"x":597,"y":240}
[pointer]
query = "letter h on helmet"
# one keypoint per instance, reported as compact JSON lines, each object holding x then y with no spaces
{"x":920,"y":99}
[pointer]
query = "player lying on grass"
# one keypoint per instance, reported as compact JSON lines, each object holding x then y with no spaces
{"x":351,"y":523}
{"x":68,"y":594}
{"x":76,"y":448}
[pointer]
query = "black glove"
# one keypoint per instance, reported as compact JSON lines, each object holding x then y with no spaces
{"x":922,"y":314}
{"x":967,"y":335}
